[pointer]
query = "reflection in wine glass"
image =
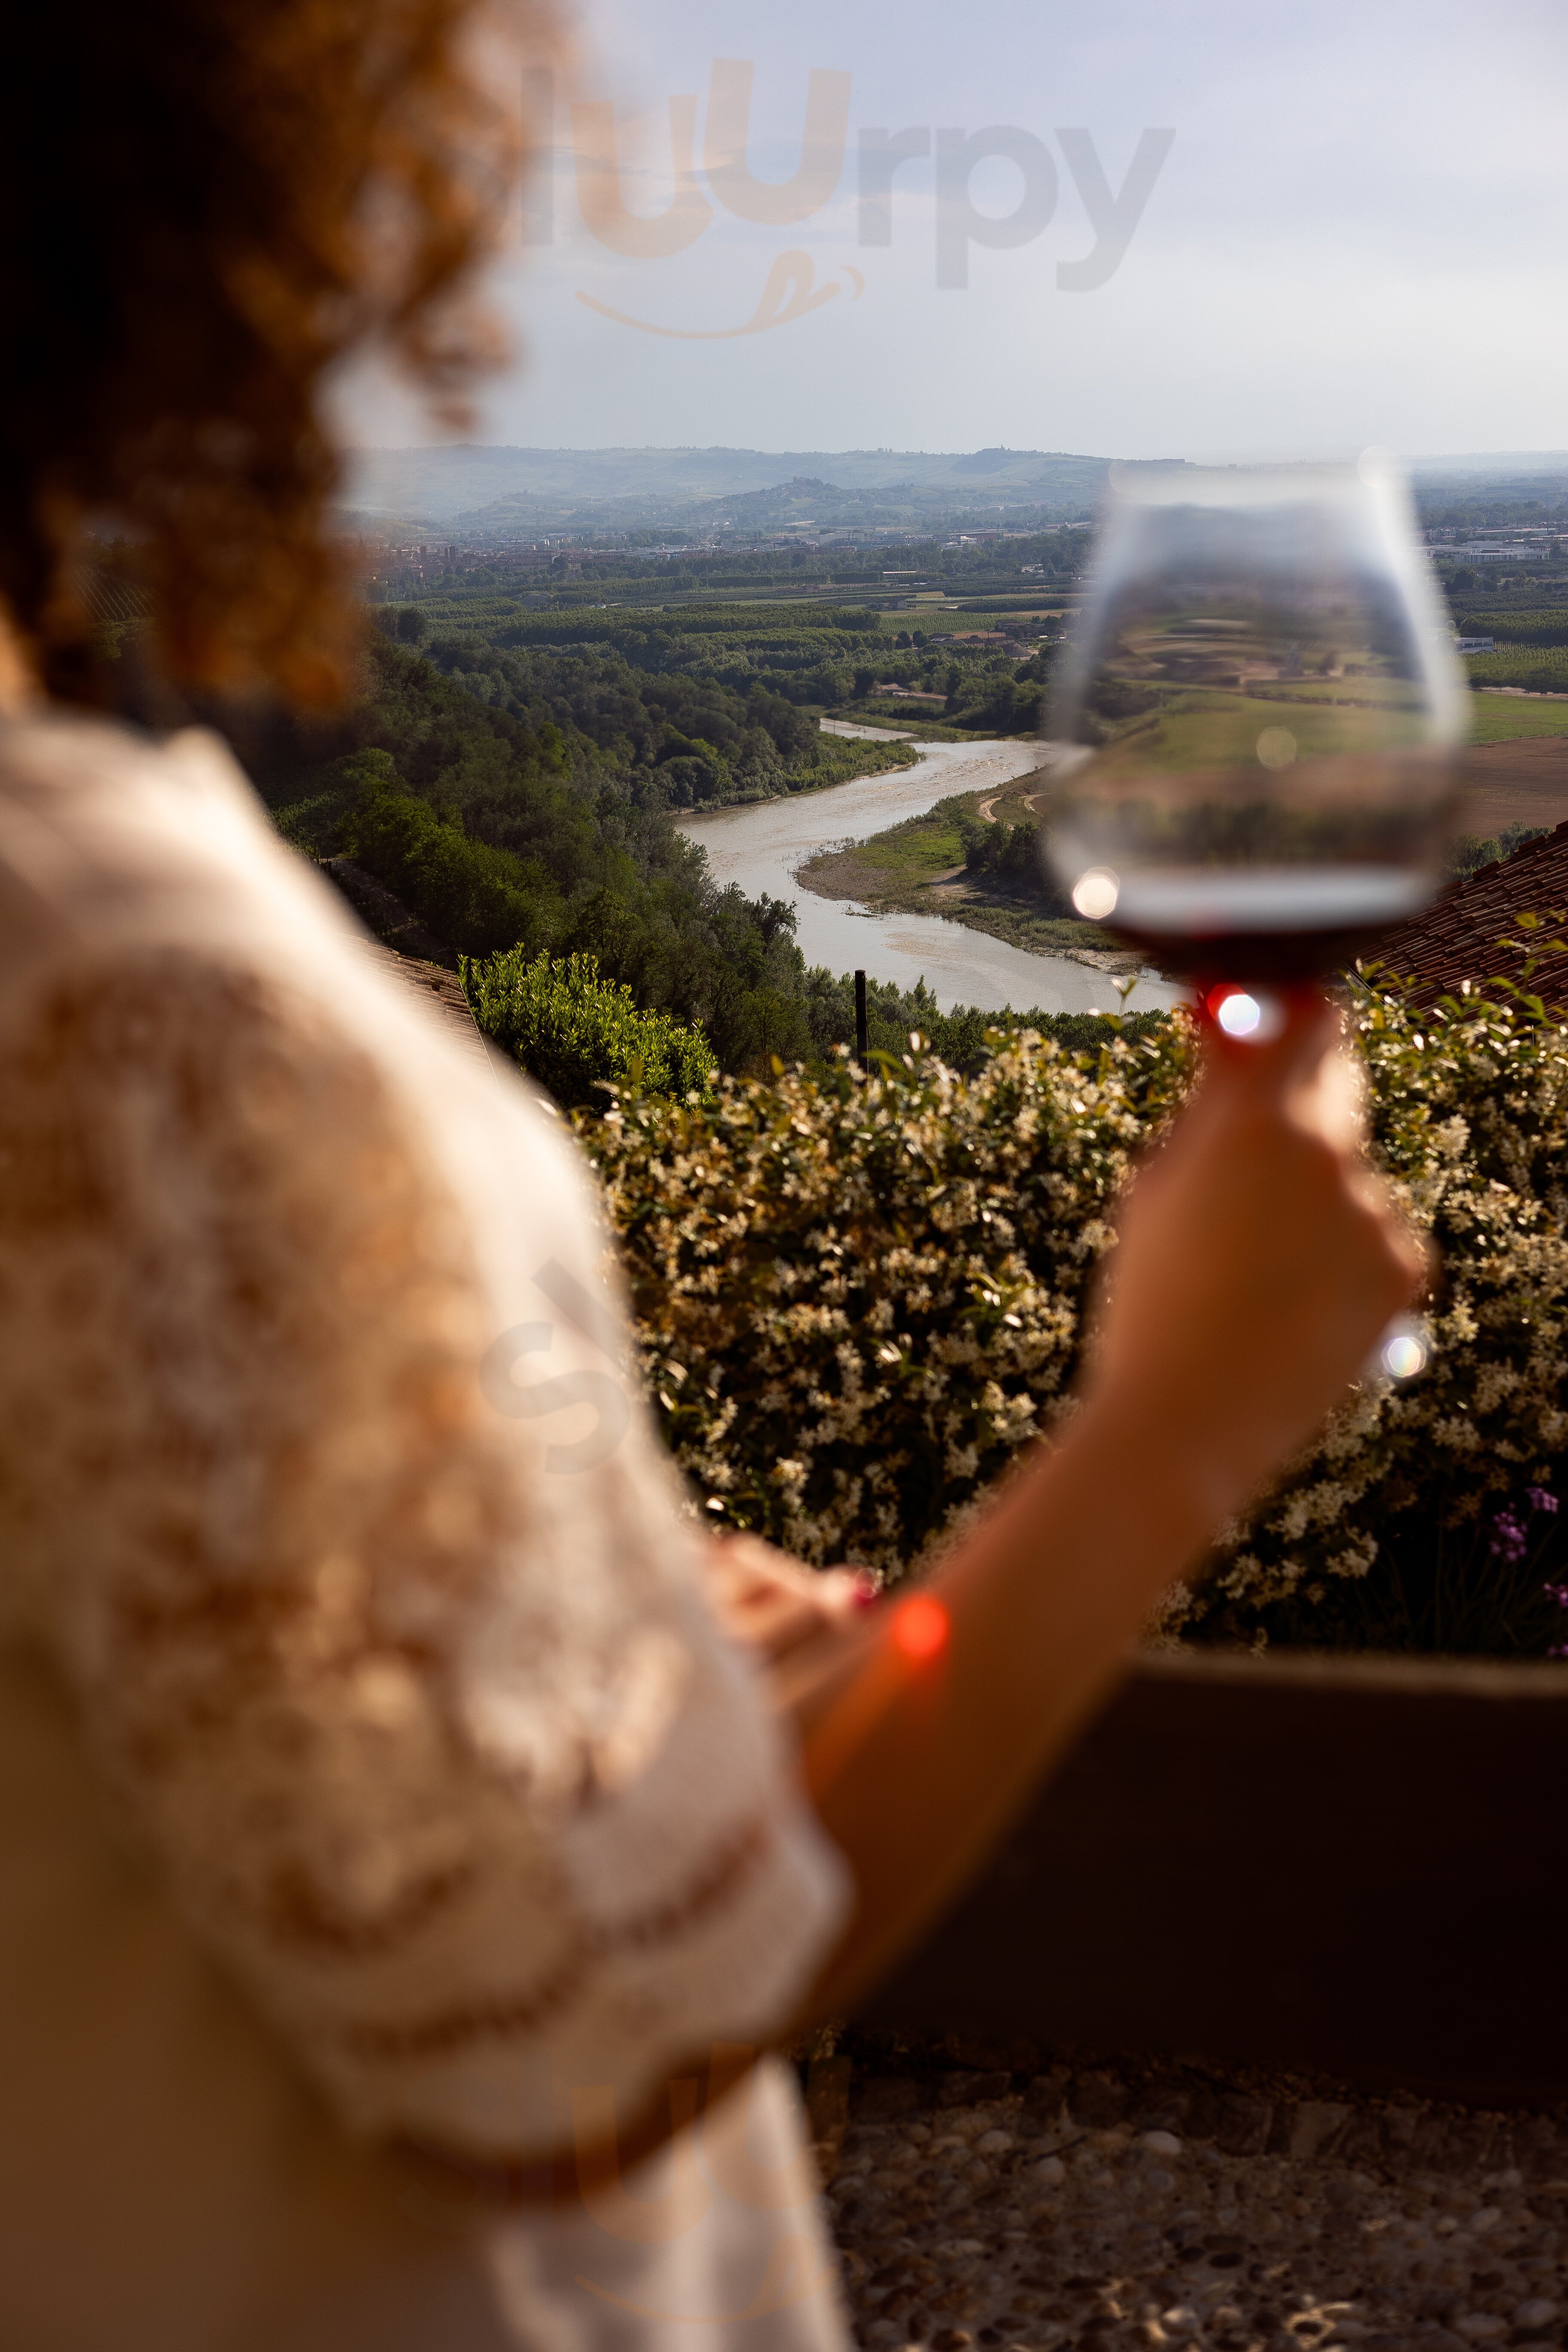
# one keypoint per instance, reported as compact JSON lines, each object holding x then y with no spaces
{"x":1252,"y":736}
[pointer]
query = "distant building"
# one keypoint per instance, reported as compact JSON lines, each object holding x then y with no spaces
{"x":1474,"y":644}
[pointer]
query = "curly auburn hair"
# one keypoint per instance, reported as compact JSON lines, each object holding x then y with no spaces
{"x":209,"y":206}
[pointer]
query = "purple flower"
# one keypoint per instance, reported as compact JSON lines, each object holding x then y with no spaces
{"x":1539,"y":1499}
{"x":1508,"y":1537}
{"x":1557,"y":1594}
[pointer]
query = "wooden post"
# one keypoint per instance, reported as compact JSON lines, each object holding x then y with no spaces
{"x":862,"y":1037}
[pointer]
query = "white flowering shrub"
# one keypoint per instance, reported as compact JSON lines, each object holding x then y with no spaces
{"x":1427,"y":1516}
{"x":856,"y":1297}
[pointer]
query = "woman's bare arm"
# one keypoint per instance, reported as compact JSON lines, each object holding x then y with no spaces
{"x":1257,"y":1262}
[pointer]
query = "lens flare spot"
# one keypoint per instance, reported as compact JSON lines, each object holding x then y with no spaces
{"x":1405,"y":1353}
{"x":1095,"y":893}
{"x":1276,"y":746}
{"x":1238,"y":1015}
{"x":1253,"y":1020}
{"x":921,"y":1628}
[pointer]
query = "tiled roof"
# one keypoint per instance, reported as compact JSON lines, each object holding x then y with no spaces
{"x":1462,"y":935}
{"x":442,"y":991}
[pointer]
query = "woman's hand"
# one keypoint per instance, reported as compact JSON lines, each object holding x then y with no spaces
{"x":791,"y":1621}
{"x":1259,"y":1259}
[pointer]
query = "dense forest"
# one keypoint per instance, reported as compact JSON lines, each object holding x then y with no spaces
{"x":737,"y":687}
{"x":694,"y":716}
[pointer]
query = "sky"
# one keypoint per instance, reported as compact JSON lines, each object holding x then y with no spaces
{"x":1313,"y":227}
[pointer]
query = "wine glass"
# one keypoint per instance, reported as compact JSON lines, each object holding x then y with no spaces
{"x":1252,"y":739}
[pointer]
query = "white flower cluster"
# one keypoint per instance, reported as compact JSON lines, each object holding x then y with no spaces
{"x":1400,"y":1491}
{"x":858,"y":1296}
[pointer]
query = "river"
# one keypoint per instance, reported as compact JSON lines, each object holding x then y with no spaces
{"x":760,"y":845}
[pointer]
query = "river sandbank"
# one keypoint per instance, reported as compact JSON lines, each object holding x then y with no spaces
{"x":761,"y":846}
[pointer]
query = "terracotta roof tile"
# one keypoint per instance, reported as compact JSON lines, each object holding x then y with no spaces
{"x":442,"y":991}
{"x":1472,"y":931}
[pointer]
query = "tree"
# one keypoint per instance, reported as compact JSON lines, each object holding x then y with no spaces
{"x":474,"y":896}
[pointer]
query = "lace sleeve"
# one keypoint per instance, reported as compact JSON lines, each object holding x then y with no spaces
{"x":438,"y":1750}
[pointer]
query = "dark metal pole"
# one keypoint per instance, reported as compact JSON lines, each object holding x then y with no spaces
{"x":862,"y":1038}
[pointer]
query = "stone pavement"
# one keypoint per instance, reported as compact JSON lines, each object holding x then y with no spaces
{"x":1116,"y":2206}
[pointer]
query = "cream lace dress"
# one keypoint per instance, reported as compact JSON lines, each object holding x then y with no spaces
{"x":370,"y":1769}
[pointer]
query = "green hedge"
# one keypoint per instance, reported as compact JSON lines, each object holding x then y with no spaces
{"x":855,"y":1297}
{"x":1545,"y":671}
{"x":1547,"y":625}
{"x":579,"y":1034}
{"x":787,"y":624}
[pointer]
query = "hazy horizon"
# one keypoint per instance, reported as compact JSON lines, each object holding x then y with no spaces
{"x":866,"y":449}
{"x":501,"y":486}
{"x":1314,"y":230}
